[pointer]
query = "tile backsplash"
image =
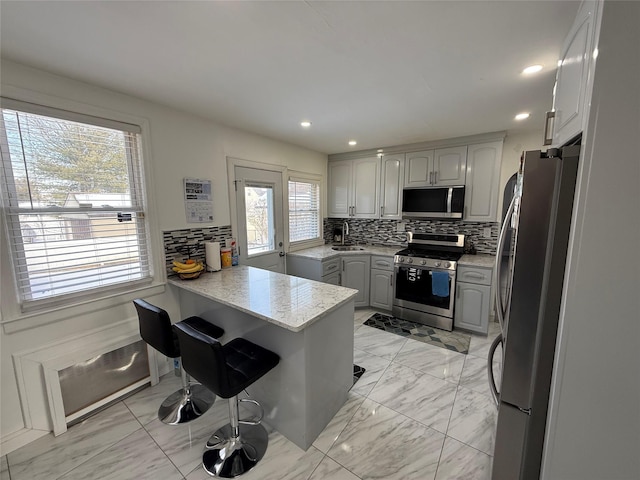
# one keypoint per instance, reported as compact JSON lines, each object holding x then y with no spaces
{"x":188,"y":242}
{"x":384,"y":232}
{"x":185,"y":243}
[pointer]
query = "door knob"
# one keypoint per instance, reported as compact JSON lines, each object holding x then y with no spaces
{"x":281,"y":254}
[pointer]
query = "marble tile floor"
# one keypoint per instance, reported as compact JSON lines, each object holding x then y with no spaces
{"x":418,"y":412}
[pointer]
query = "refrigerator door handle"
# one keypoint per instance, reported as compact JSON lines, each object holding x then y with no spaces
{"x":492,"y":381}
{"x":500,"y":309}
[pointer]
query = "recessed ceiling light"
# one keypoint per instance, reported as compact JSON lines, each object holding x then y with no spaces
{"x":532,"y":69}
{"x":522,"y":116}
{"x":305,"y":124}
{"x":352,"y":142}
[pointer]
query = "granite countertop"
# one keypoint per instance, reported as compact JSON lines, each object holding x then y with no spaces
{"x":479,"y":260}
{"x":290,"y":302}
{"x":324,"y":252}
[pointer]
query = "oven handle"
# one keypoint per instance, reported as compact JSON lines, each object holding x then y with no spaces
{"x":398,"y":266}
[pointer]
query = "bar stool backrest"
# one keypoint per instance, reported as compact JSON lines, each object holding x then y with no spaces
{"x":204,"y":359}
{"x":156,"y":329}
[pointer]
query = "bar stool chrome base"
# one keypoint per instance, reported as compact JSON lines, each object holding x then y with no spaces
{"x":185,"y":405}
{"x":229,"y":457}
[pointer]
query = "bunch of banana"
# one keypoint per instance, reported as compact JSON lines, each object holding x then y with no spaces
{"x":190,"y":269}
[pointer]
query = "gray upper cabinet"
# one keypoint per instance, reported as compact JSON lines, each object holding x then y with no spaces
{"x":340,"y":189}
{"x":449,"y":166}
{"x":418,"y":170}
{"x":440,"y":167}
{"x":391,"y":186}
{"x":482,"y":182}
{"x":354,"y":188}
{"x":575,"y":72}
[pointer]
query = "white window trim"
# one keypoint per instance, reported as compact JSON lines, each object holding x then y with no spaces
{"x":314,"y":178}
{"x":10,"y":311}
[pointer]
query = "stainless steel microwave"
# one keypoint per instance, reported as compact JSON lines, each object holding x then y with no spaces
{"x":433,"y":202}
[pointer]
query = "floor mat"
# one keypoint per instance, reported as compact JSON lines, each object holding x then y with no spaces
{"x":357,"y":373}
{"x":455,"y":341}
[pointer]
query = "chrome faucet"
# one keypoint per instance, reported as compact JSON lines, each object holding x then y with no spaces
{"x":345,"y":231}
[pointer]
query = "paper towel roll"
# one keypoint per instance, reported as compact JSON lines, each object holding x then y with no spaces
{"x":212,"y":256}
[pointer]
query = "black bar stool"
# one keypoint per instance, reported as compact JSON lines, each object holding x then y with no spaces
{"x":227,"y":370}
{"x":192,"y":400}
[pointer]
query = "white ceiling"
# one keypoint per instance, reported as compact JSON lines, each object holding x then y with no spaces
{"x":381,"y":72}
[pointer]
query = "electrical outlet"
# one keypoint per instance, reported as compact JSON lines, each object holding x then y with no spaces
{"x":401,"y":227}
{"x":486,"y":233}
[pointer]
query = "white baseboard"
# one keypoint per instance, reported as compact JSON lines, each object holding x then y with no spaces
{"x":18,"y":439}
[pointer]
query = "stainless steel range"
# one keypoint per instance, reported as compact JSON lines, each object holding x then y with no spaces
{"x":425,"y":279}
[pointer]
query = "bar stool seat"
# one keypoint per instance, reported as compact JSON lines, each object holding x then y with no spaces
{"x":227,"y":370}
{"x":192,"y":400}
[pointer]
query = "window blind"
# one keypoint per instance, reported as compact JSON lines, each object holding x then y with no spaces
{"x":304,"y":210}
{"x":73,"y":202}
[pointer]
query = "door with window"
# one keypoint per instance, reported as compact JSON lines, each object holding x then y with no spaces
{"x":260,"y":218}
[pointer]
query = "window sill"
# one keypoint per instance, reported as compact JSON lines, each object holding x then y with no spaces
{"x":27,"y":321}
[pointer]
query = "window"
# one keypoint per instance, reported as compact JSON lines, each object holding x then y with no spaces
{"x":304,"y":210}
{"x":73,"y":202}
{"x":260,"y":213}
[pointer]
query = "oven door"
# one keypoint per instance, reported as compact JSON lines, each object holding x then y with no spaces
{"x":414,"y":289}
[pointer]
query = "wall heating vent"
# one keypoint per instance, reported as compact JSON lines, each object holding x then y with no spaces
{"x":103,"y":378}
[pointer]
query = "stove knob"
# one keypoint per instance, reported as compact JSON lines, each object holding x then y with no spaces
{"x":438,"y":264}
{"x":409,"y":260}
{"x":423,"y":262}
{"x":447,"y":264}
{"x":401,"y":259}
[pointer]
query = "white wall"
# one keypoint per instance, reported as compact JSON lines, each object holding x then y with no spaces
{"x":593,"y":432}
{"x":179,"y":145}
{"x":514,"y":145}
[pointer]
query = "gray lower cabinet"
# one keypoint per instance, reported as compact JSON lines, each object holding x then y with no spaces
{"x":473,"y":299}
{"x":355,"y":274}
{"x":332,"y":278}
{"x":381,"y":288}
{"x":349,"y":271}
{"x":327,"y":271}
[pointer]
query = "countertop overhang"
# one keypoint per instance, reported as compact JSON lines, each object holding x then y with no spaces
{"x":290,"y":302}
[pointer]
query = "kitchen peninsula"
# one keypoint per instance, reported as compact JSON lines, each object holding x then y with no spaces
{"x":308,"y":324}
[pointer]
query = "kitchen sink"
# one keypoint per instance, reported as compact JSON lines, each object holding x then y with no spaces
{"x":347,"y":248}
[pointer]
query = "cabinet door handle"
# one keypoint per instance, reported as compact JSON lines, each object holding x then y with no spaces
{"x":548,"y":127}
{"x":391,"y":280}
{"x":431,"y":178}
{"x":381,"y":210}
{"x":474,"y":275}
{"x":435,"y":177}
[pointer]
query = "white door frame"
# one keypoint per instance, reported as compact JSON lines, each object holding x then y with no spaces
{"x":232,"y":163}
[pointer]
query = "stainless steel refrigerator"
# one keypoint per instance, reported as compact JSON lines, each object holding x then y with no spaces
{"x":539,"y":220}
